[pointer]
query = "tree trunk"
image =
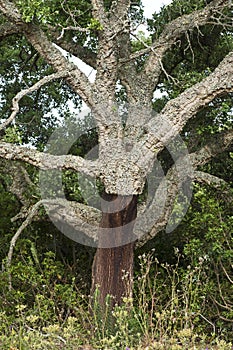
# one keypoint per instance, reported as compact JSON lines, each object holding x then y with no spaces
{"x":112,"y":271}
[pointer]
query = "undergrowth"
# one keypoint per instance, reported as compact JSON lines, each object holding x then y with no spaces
{"x":44,"y":309}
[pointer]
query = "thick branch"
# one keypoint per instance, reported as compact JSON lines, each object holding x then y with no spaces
{"x":114,"y":24}
{"x":47,"y":161}
{"x":128,"y":74}
{"x":143,"y":84}
{"x":83,"y":53}
{"x":80,"y":218}
{"x":220,"y":82}
{"x":171,"y":33}
{"x":216,"y":145}
{"x":9,"y":10}
{"x":98,"y":11}
{"x":165,"y":126}
{"x":113,"y":44}
{"x":78,"y":80}
{"x":155,"y":218}
{"x":119,"y":11}
{"x":211,"y":180}
{"x":22,"y":93}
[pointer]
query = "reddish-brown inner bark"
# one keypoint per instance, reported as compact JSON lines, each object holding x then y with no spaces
{"x":112,"y":271}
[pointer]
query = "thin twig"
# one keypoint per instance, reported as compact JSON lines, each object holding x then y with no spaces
{"x":225,"y":271}
{"x":75,"y":28}
{"x":189,"y":46}
{"x":211,"y":323}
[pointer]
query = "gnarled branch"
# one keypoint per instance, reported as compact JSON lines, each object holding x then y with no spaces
{"x":22,"y":93}
{"x":45,"y":161}
{"x":52,"y":55}
{"x":217,"y":144}
{"x":161,"y":129}
{"x":168,"y":189}
{"x":171,"y":33}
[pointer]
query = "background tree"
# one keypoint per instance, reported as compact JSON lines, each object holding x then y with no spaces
{"x":188,"y":57}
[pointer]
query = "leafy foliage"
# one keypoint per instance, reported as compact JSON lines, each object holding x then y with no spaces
{"x":54,"y":12}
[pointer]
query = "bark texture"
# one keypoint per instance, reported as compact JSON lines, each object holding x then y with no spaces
{"x":112,"y":271}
